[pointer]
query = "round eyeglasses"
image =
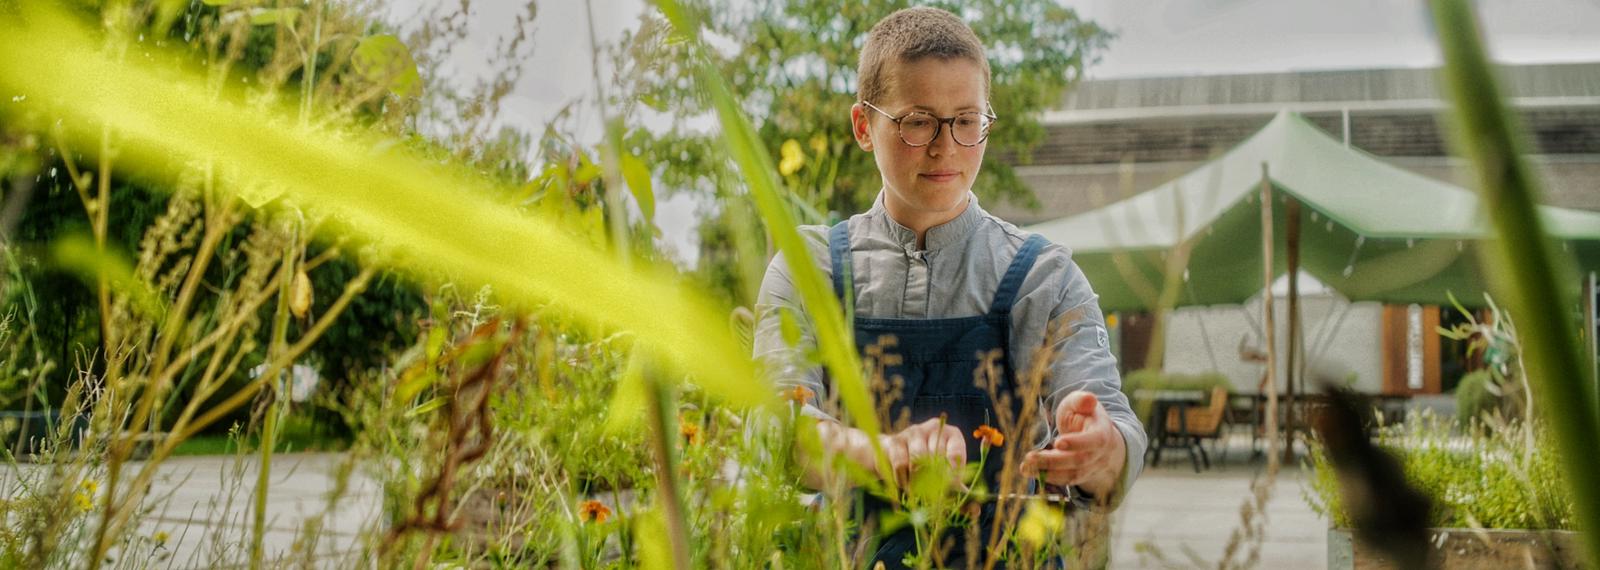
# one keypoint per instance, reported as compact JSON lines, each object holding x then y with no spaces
{"x":919,"y":128}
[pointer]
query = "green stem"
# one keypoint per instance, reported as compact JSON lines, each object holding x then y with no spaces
{"x":269,"y":431}
{"x":662,"y":441}
{"x":1522,"y":264}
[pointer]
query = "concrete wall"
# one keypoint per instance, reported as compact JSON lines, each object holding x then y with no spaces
{"x":1206,"y":339}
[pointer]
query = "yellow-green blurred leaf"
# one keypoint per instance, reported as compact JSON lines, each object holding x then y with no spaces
{"x":587,"y":170}
{"x":637,"y":175}
{"x":655,"y":547}
{"x":270,"y":16}
{"x":628,"y":404}
{"x":428,"y":406}
{"x":385,"y":60}
{"x":790,"y":328}
{"x":436,"y":339}
{"x":78,"y":254}
{"x":413,"y":381}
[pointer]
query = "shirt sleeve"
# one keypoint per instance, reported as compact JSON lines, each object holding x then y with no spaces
{"x":788,"y":357}
{"x":1083,"y":361}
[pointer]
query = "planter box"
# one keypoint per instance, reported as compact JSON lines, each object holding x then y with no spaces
{"x":1465,"y":548}
{"x":26,"y":434}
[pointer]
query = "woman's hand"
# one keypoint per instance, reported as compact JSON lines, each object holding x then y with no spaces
{"x":1089,"y":452}
{"x":929,"y":438}
{"x":903,"y":449}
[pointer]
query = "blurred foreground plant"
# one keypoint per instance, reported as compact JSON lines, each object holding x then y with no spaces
{"x":1529,"y":274}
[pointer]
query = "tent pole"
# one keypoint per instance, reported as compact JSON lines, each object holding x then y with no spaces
{"x":1294,"y":382}
{"x":1269,"y":381}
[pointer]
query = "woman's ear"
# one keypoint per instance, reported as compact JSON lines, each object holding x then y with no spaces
{"x":861,"y":126}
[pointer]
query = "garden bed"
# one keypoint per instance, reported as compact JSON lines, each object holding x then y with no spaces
{"x":1466,"y":548}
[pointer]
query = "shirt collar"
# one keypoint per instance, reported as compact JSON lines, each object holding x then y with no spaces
{"x":938,"y":237}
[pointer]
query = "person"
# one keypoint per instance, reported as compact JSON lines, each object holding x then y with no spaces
{"x":927,"y":267}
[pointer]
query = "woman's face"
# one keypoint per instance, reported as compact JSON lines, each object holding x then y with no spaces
{"x":924,"y":185}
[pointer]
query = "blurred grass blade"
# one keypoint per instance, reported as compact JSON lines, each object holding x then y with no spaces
{"x":431,"y":218}
{"x":1526,"y":270}
{"x":834,"y":340}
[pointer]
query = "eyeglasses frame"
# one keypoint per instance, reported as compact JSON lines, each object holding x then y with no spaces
{"x":938,"y":128}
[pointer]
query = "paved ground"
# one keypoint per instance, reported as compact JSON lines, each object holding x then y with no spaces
{"x":1175,"y":518}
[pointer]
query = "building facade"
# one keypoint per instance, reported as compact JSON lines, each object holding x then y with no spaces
{"x":1110,"y":139}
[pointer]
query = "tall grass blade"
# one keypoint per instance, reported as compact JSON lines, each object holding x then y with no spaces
{"x":426,"y":217}
{"x":1525,"y":271}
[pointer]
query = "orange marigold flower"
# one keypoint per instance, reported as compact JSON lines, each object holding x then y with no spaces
{"x":690,"y":431}
{"x":799,"y":395}
{"x":593,"y":510}
{"x":990,"y":436}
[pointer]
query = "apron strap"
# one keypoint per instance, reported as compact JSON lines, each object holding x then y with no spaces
{"x":1012,"y":282}
{"x":839,"y":253}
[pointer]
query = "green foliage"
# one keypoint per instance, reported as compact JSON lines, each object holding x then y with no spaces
{"x":793,"y":65}
{"x":1504,"y":479}
{"x":1500,"y":389}
{"x":1473,"y":398}
{"x":1151,"y":379}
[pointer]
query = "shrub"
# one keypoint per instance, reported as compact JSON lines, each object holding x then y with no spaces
{"x":1509,"y":478}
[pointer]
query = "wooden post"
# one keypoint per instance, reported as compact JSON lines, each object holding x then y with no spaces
{"x":1269,"y":325}
{"x":1291,"y":226}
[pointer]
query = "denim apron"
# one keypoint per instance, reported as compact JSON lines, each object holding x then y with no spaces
{"x":939,"y":362}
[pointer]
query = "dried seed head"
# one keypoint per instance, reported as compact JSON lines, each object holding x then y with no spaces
{"x":300,"y":295}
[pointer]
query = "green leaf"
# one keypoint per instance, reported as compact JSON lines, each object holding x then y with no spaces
{"x":790,"y":328}
{"x":655,"y":545}
{"x":427,"y":406}
{"x":413,"y":382}
{"x":834,"y":339}
{"x":587,"y":170}
{"x":78,"y":254}
{"x":385,"y":60}
{"x":271,"y":16}
{"x":638,"y":176}
{"x":436,"y":339}
{"x":627,"y":407}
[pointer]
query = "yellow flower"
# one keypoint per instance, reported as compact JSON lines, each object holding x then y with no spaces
{"x":791,"y":157}
{"x":160,"y":537}
{"x":90,"y":486}
{"x":990,"y":436}
{"x":83,"y":501}
{"x":1111,"y":321}
{"x":1040,"y":525}
{"x":819,"y":144}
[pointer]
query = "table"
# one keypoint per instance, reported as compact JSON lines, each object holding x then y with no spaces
{"x":1160,"y":402}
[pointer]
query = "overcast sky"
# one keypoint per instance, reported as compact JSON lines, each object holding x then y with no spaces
{"x":1154,"y":38}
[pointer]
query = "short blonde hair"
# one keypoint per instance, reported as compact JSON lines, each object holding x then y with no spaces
{"x":909,"y":35}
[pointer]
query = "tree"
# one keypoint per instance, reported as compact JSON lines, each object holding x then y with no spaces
{"x":794,"y":64}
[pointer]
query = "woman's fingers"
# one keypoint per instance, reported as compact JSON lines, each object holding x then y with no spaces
{"x":1082,"y":440}
{"x":1058,"y":467}
{"x":930,"y":438}
{"x":916,"y":446}
{"x":955,"y":446}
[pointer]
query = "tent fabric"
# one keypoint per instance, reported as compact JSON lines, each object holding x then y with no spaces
{"x":1370,"y":231}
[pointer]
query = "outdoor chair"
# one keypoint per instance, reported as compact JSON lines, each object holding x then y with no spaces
{"x":1199,"y":424}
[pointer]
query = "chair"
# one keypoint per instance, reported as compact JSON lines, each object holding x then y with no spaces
{"x":1199,"y":424}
